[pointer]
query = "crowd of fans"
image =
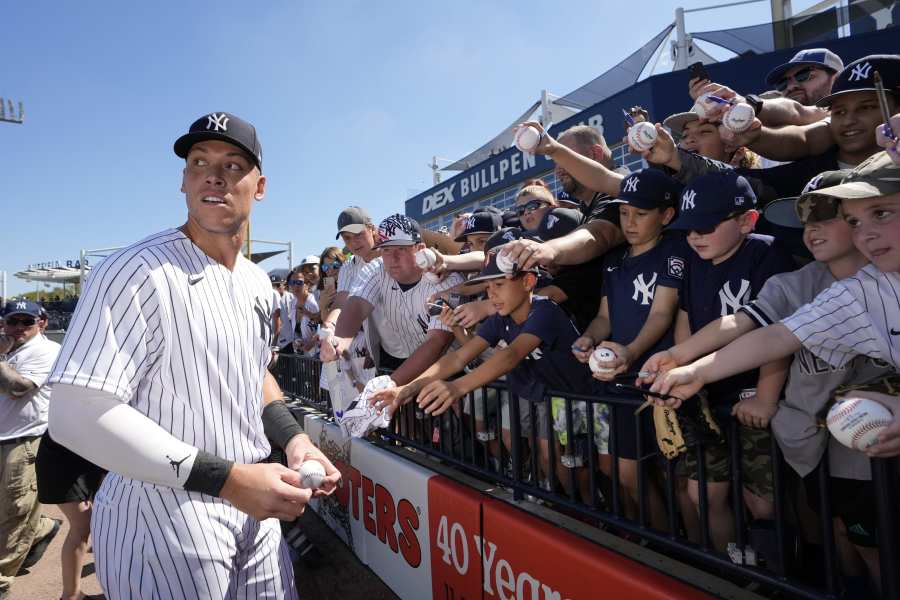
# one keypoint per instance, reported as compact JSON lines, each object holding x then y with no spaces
{"x":787,"y":228}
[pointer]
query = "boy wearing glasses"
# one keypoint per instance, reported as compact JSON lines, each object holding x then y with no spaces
{"x":726,"y":270}
{"x":26,"y":357}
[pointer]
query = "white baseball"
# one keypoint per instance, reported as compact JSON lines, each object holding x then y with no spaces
{"x":739,"y":118}
{"x":702,"y":106}
{"x":505,"y":263}
{"x":425,"y":258}
{"x":527,"y":138}
{"x":311,"y":474}
{"x":856,"y":422}
{"x":601,"y":354}
{"x":325,"y":333}
{"x":431,"y":278}
{"x":642,"y":136}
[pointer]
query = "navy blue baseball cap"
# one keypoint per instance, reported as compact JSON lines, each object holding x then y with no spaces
{"x":481,"y":221}
{"x":23,"y":307}
{"x":398,"y":230}
{"x":567,"y":201}
{"x":822,"y":58}
{"x":713,"y":198}
{"x":859,"y":76}
{"x":557,"y":223}
{"x":225,"y":127}
{"x":648,"y":188}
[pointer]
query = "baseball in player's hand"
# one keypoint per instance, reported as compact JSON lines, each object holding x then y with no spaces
{"x":299,"y":450}
{"x":436,"y":397}
{"x":753,"y":412}
{"x":618,"y":365}
{"x":682,"y":382}
{"x":889,"y":439}
{"x":656,"y":365}
{"x":266,"y":490}
{"x":582,"y":348}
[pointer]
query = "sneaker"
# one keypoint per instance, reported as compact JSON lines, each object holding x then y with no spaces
{"x":39,"y":547}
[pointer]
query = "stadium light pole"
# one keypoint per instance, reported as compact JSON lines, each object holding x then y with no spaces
{"x":8,"y":112}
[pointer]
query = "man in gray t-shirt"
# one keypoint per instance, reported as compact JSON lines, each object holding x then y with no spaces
{"x":811,"y":381}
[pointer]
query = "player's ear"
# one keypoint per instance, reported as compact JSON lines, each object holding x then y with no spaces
{"x":260,"y":188}
{"x":530,"y":280}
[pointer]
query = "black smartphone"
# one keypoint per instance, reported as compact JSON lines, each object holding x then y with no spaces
{"x":698,"y":71}
{"x":435,"y":308}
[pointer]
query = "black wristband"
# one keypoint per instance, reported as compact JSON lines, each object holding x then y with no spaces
{"x":279,"y":424}
{"x":208,"y":474}
{"x":756,"y":102}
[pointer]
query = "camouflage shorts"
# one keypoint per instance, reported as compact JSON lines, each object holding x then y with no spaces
{"x":756,"y":462}
{"x":889,"y":384}
{"x":579,"y":423}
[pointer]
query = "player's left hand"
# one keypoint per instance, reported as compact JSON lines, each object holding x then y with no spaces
{"x":753,"y":412}
{"x":889,"y":439}
{"x":619,"y":364}
{"x":299,"y":450}
{"x":436,"y":397}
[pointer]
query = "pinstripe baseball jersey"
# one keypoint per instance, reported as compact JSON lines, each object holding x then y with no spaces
{"x":857,"y":315}
{"x":180,"y":338}
{"x":406,"y":319}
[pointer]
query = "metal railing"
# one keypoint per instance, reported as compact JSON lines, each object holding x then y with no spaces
{"x":783,"y":564}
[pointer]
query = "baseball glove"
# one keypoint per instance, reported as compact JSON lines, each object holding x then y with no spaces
{"x":685,"y":427}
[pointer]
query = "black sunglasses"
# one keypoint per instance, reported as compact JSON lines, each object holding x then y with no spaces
{"x":530,"y":206}
{"x":296,"y":282}
{"x":329,"y":266}
{"x":800,"y":76}
{"x":27,"y":322}
{"x":709,"y":230}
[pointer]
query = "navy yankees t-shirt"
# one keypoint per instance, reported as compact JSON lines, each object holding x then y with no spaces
{"x":629,"y":284}
{"x":552,"y":364}
{"x":713,"y":291}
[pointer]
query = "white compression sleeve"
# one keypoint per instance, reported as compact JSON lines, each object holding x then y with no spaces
{"x":115,"y":436}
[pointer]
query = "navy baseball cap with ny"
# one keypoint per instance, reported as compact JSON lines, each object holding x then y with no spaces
{"x":648,"y":188}
{"x":713,"y":198}
{"x":225,"y":127}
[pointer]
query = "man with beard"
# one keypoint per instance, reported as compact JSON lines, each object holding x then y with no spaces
{"x":599,"y":230}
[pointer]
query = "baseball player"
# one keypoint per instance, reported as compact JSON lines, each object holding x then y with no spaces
{"x":856,"y":315}
{"x":411,"y":339}
{"x":162,"y":380}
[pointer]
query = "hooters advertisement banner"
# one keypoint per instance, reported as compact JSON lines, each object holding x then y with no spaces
{"x":380,"y":510}
{"x":419,"y":531}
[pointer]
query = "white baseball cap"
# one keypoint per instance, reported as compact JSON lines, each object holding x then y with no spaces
{"x":312,"y":259}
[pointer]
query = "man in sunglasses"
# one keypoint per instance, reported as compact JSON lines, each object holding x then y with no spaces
{"x":26,"y":357}
{"x":808,"y":76}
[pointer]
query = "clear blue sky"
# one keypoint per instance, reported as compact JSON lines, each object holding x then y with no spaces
{"x":351,"y":100}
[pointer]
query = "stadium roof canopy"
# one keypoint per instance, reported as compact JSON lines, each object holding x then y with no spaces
{"x":52,"y":275}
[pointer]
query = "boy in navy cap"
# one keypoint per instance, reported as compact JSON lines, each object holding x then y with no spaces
{"x":478,"y":228}
{"x":725,"y":271}
{"x":641,"y":284}
{"x":533,"y":337}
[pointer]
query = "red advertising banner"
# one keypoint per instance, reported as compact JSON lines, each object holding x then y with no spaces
{"x":454,"y":531}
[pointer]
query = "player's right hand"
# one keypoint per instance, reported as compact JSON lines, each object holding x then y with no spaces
{"x":265,"y":490}
{"x":681,"y":382}
{"x":582,"y":348}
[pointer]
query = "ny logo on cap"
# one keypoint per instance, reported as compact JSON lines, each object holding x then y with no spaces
{"x":470,"y":223}
{"x":860,"y":72}
{"x":551,"y":221}
{"x":631,"y":185}
{"x":687,"y":201}
{"x":738,"y":200}
{"x":731,"y":301}
{"x":644,"y":288}
{"x":217,"y":122}
{"x":21,"y":306}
